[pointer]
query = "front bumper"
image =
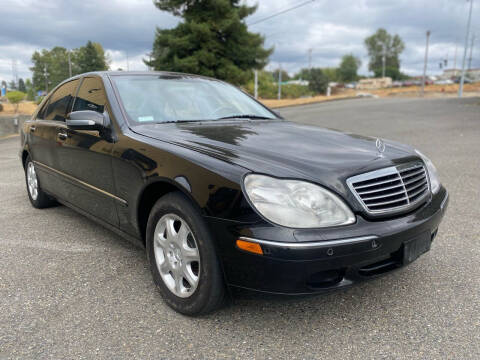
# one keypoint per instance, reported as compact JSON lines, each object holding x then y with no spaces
{"x":309,"y":261}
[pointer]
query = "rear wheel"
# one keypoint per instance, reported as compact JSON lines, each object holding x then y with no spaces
{"x":182,"y":257}
{"x":38,"y":198}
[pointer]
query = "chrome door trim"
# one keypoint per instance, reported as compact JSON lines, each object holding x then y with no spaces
{"x":312,"y":245}
{"x":106,"y":193}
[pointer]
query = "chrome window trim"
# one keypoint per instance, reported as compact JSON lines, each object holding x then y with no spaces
{"x":311,"y":245}
{"x":106,"y":193}
{"x":392,"y":170}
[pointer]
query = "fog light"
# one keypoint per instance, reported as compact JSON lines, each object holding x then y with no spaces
{"x":250,"y":247}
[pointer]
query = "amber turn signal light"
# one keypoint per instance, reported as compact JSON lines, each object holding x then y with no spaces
{"x":250,"y":247}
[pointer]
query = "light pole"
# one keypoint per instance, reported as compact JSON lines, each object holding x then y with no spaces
{"x":280,"y":83}
{"x":462,"y":79}
{"x":45,"y":74}
{"x":69,"y":64}
{"x":255,"y":88}
{"x":425,"y":64}
{"x":383,"y":61}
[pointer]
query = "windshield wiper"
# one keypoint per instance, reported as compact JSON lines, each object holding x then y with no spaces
{"x":246,"y":116}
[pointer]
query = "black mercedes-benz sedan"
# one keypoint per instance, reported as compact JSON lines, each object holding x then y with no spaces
{"x":223,"y":192}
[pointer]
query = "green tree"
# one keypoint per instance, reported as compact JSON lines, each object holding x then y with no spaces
{"x":90,"y":57}
{"x":285,"y":76}
{"x":348,"y":68}
{"x":21,"y":85}
{"x":318,"y":81}
{"x":331,"y":74}
{"x":14,"y":97}
{"x":382,"y":43}
{"x":52,"y":65}
{"x":212,"y":40}
{"x":49,"y":66}
{"x":29,"y":90}
{"x":303,"y":74}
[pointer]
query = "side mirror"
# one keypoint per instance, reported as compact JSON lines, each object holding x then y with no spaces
{"x":85,"y":120}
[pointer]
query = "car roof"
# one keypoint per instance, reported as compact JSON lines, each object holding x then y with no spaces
{"x":134,"y":73}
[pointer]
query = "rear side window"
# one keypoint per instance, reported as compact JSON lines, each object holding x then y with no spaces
{"x":91,"y":96}
{"x":60,"y":102}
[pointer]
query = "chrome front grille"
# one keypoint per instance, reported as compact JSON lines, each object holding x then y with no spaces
{"x":391,"y":190}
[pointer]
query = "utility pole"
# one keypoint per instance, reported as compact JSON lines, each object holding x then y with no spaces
{"x":15,"y":72}
{"x":69,"y":64}
{"x":310,"y":59}
{"x":455,"y":58}
{"x":383,"y":60}
{"x":45,"y":74}
{"x":462,"y":79}
{"x":471,"y":52}
{"x":425,"y":64}
{"x":280,"y":83}
{"x":255,"y":88}
{"x":128,"y":67}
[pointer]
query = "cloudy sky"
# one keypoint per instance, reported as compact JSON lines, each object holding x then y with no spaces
{"x":331,"y":28}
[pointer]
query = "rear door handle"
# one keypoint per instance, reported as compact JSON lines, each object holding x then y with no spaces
{"x":62,"y":136}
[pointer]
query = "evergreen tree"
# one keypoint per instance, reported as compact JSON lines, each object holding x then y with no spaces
{"x":212,"y":40}
{"x":21,"y":85}
{"x":90,"y":57}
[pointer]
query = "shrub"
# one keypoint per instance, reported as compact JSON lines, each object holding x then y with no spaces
{"x":14,"y":97}
{"x":1,"y":107}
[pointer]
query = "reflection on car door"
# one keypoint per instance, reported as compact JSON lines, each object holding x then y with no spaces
{"x":44,"y":140}
{"x":85,"y":158}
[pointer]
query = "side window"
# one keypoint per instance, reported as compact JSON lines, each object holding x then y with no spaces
{"x":91,"y":96}
{"x":41,"y":113}
{"x":60,"y":102}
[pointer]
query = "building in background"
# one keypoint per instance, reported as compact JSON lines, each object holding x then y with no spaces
{"x":374,"y":83}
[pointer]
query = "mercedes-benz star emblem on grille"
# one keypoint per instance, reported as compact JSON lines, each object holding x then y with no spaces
{"x":380,"y":146}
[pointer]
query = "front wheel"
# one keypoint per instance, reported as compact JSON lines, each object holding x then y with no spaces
{"x":182,"y":257}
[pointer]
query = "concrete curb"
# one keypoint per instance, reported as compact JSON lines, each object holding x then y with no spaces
{"x":322,"y":101}
{"x":9,"y":136}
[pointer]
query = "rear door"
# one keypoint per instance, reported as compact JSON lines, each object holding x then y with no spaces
{"x":44,"y":141}
{"x":85,"y":158}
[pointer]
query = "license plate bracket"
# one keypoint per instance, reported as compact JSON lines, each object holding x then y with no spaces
{"x":415,"y":247}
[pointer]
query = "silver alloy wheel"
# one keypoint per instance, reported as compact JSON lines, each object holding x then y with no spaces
{"x":32,"y":181}
{"x":176,"y":255}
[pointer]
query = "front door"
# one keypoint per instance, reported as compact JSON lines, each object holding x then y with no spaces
{"x":85,"y":158}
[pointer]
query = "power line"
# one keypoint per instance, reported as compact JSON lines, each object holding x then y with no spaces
{"x":281,"y":12}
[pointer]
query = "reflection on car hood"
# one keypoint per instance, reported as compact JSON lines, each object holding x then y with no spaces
{"x":282,"y":148}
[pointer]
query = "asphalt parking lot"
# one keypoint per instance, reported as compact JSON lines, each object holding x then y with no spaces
{"x":72,"y":289}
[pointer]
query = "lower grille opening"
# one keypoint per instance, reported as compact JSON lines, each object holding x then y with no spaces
{"x":325,"y":279}
{"x":383,"y":266}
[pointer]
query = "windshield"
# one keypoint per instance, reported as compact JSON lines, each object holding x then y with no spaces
{"x":175,"y":98}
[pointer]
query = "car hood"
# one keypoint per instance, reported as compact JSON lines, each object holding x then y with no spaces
{"x":283,"y":148}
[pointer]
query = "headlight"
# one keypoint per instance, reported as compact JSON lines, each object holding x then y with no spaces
{"x":432,"y":173}
{"x":296,"y":204}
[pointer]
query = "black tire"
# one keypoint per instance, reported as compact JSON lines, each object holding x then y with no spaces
{"x":42,"y":200}
{"x":209,"y":294}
